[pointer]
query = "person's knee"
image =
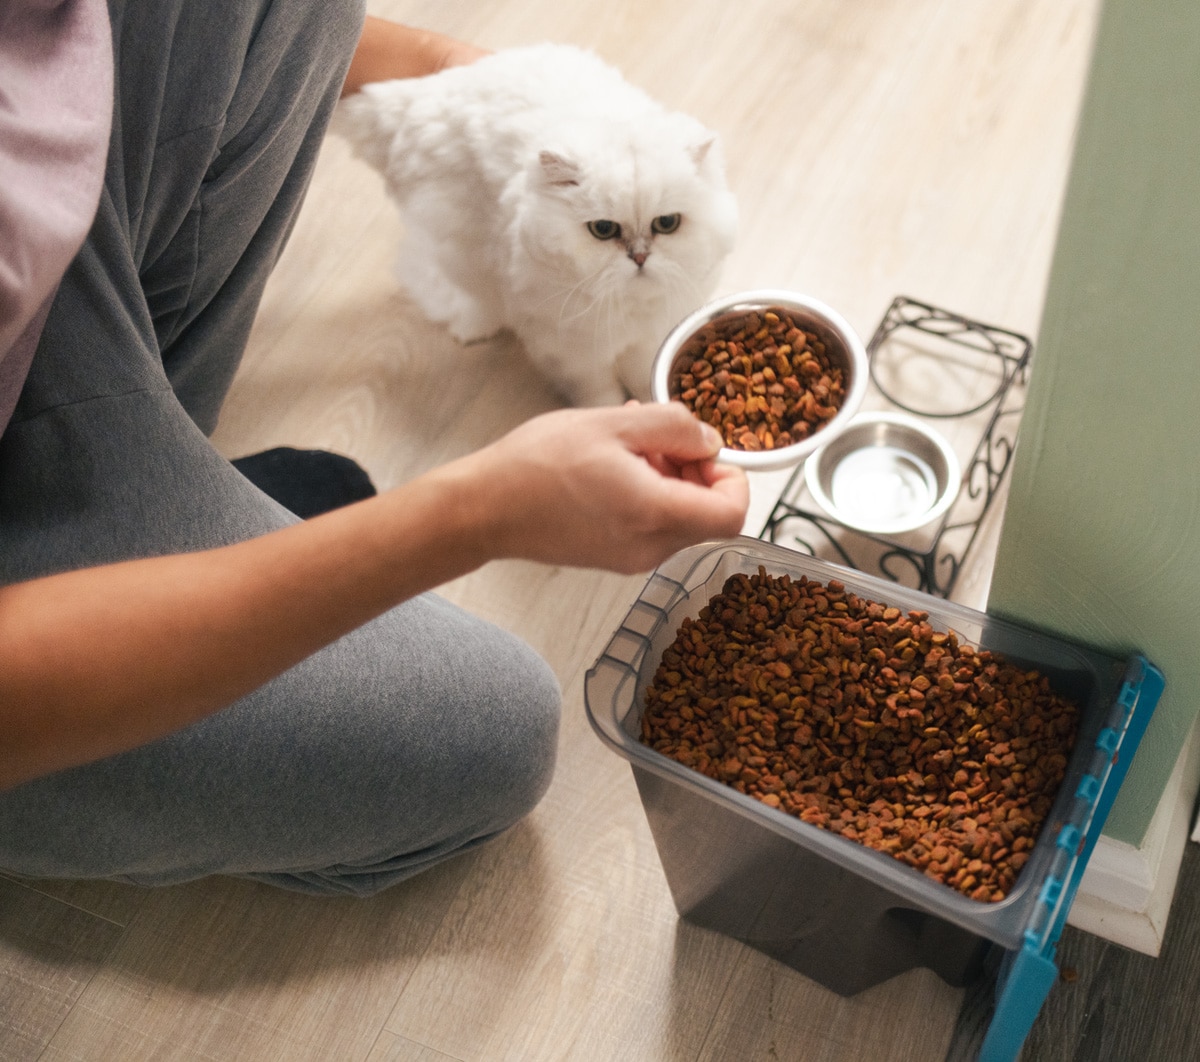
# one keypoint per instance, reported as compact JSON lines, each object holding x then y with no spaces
{"x":509,"y":756}
{"x":455,"y":736}
{"x":321,"y":29}
{"x":481,"y":769}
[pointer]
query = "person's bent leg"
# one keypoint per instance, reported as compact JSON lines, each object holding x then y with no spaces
{"x":418,"y":735}
{"x":414,"y":737}
{"x":220,"y":115}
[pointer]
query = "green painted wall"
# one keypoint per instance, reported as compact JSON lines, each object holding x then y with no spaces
{"x":1101,"y":537}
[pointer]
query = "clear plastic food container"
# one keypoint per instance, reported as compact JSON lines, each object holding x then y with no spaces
{"x":846,"y":915}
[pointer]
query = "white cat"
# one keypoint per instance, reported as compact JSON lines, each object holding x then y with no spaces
{"x":543,"y":193}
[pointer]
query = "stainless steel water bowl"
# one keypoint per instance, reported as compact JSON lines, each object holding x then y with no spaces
{"x":886,"y":473}
{"x":841,"y":342}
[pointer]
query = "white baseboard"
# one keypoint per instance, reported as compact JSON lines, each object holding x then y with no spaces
{"x":1126,"y":892}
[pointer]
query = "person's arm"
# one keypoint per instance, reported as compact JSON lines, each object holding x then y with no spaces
{"x":388,"y":50}
{"x":96,"y":661}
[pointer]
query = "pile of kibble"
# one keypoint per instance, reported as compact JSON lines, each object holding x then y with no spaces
{"x":864,"y":720}
{"x":760,"y":379}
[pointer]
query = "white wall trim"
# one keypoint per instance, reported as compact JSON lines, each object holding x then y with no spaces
{"x":1126,"y":892}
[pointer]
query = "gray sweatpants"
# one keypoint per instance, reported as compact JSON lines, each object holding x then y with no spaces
{"x":423,"y":733}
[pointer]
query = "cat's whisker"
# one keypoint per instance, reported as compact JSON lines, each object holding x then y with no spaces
{"x":608,"y":303}
{"x":599,"y":285}
{"x":567,"y":294}
{"x":682,"y":281}
{"x":565,"y":318}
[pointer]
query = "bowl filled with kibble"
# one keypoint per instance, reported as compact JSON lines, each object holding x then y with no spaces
{"x":777,"y":373}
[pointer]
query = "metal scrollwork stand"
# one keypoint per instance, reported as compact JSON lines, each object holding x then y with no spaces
{"x":966,"y":379}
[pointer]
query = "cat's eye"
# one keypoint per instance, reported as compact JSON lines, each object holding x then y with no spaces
{"x":666,"y":223}
{"x":604,"y":229}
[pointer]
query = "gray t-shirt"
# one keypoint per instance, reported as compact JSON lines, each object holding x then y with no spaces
{"x":56,"y":102}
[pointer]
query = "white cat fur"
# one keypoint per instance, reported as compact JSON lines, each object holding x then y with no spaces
{"x":499,"y":166}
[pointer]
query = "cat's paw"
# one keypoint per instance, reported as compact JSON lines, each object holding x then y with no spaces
{"x":467,"y":319}
{"x":473,"y":326}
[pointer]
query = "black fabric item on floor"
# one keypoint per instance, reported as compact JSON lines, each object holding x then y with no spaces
{"x":308,"y":482}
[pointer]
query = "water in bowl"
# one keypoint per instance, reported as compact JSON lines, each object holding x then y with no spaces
{"x":882,"y":487}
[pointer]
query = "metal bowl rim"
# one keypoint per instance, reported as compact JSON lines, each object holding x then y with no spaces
{"x":947,"y":494}
{"x":759,"y":299}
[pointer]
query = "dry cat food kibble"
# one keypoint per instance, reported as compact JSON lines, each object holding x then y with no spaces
{"x":864,"y":720}
{"x":759,"y":379}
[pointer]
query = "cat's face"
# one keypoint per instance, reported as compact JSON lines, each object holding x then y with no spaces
{"x":640,"y":217}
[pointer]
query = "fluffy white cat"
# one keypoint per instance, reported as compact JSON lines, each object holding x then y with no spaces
{"x":543,"y":193}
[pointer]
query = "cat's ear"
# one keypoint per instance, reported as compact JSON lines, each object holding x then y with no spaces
{"x":558,"y":171}
{"x":701,"y":151}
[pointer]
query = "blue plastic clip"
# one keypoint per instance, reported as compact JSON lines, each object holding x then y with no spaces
{"x":1027,"y":985}
{"x":1051,"y":891}
{"x":1027,"y":974}
{"x":1068,"y":839}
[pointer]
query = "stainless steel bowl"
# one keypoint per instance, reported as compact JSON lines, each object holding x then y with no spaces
{"x":841,"y":342}
{"x":886,"y":473}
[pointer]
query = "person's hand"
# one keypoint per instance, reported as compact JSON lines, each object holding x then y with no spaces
{"x":620,"y":488}
{"x":388,"y":50}
{"x":449,"y":52}
{"x":157,"y":643}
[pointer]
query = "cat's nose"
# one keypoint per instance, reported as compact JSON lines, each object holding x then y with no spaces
{"x":639,"y":257}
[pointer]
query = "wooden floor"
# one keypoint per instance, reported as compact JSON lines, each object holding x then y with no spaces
{"x":1111,"y":1004}
{"x":878,"y":147}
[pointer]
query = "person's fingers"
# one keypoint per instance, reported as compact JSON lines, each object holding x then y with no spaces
{"x":669,"y":430}
{"x":463,"y":54}
{"x":732,"y":484}
{"x":699,"y":494}
{"x":712,"y":471}
{"x":716,"y":508}
{"x":661,"y":465}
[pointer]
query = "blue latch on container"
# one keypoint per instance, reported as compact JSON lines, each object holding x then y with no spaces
{"x":1068,"y":838}
{"x":1051,"y":890}
{"x":1027,"y":974}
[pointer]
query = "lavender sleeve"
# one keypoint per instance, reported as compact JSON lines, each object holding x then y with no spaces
{"x":55,"y":116}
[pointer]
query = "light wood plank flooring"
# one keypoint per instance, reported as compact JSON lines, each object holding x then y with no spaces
{"x":878,"y":147}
